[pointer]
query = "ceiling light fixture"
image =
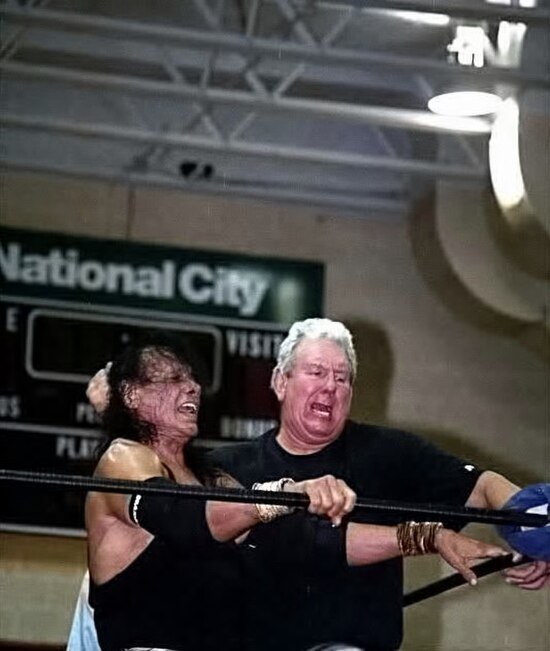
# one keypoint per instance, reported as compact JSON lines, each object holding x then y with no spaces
{"x":504,"y":157}
{"x":467,"y":49}
{"x":466,"y":103}
{"x":528,"y":4}
{"x":423,"y":18}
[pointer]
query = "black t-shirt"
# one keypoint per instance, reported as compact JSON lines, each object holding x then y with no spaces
{"x":293,"y":606}
{"x":168,"y":600}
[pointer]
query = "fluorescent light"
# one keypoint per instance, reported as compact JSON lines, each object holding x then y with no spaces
{"x":504,"y":158}
{"x":419,"y":17}
{"x":528,"y":4}
{"x":423,"y":18}
{"x":464,"y":103}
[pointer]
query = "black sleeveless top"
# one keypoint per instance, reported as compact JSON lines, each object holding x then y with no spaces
{"x":162,"y":599}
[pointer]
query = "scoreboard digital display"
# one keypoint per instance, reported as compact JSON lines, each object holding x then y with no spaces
{"x":67,"y":346}
{"x":53,"y":339}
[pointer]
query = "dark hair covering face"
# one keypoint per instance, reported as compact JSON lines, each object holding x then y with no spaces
{"x":138,"y":365}
{"x":142,"y":364}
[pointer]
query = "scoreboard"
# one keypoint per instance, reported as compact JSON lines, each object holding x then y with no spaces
{"x":69,"y":305}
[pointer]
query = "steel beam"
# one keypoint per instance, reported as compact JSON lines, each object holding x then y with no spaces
{"x":413,"y":167}
{"x":175,"y":36}
{"x":478,"y":11}
{"x":386,"y":116}
{"x":355,"y":203}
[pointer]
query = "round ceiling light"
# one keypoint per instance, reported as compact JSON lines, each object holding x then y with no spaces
{"x":464,"y":103}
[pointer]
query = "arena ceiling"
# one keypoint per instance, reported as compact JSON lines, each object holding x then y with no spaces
{"x":320,"y":103}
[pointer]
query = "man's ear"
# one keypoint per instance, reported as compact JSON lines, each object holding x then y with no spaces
{"x":279,"y":383}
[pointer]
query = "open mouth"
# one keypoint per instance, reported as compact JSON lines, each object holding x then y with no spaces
{"x":189,"y":408}
{"x":321,"y":410}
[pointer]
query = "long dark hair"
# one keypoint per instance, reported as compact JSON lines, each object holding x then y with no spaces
{"x":134,"y":366}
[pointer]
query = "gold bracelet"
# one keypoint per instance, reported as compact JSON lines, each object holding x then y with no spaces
{"x":417,"y":538}
{"x":268,"y":512}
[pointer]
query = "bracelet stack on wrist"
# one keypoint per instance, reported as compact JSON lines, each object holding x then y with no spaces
{"x":417,"y":538}
{"x":268,"y":512}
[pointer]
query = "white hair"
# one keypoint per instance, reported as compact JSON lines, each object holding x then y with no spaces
{"x":315,"y":329}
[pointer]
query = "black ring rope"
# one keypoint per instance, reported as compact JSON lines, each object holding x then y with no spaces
{"x":456,"y":579}
{"x":401,"y":509}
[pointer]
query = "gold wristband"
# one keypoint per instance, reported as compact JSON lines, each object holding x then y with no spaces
{"x":268,"y":512}
{"x":417,"y":538}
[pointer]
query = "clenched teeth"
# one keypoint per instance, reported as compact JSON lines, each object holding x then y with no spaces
{"x":322,"y":409}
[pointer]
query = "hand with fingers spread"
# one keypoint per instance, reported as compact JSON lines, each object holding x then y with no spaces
{"x":97,"y":390}
{"x":463,"y":552}
{"x":328,"y":496}
{"x":529,"y":576}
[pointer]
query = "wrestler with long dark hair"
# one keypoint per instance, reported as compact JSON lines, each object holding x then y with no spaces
{"x":165,"y":572}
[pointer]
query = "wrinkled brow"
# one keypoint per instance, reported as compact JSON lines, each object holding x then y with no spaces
{"x":314,"y":366}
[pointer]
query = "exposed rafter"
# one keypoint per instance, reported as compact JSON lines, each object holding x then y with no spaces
{"x":387,"y":116}
{"x":257,"y":46}
{"x":255,"y":149}
{"x":479,"y":11}
{"x":291,"y":99}
{"x":355,"y":203}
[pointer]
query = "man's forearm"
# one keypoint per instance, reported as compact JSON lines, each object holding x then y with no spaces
{"x":370,"y":543}
{"x":367,"y":544}
{"x":491,"y":491}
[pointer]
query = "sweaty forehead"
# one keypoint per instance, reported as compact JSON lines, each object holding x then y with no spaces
{"x":159,"y":367}
{"x":321,"y":351}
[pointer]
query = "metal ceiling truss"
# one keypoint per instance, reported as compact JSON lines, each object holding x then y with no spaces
{"x":352,"y":203}
{"x":237,"y":79}
{"x":314,"y":50}
{"x":476,"y":11}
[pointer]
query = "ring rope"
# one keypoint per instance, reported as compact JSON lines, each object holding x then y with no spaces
{"x":456,"y":579}
{"x":402,"y":509}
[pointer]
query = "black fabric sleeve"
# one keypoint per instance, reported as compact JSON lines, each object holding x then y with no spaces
{"x":437,"y":476}
{"x":301,"y":540}
{"x":179,"y":521}
{"x":400,"y":466}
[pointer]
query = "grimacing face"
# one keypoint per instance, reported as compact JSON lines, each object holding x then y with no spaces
{"x":315,"y":395}
{"x":169,"y":399}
